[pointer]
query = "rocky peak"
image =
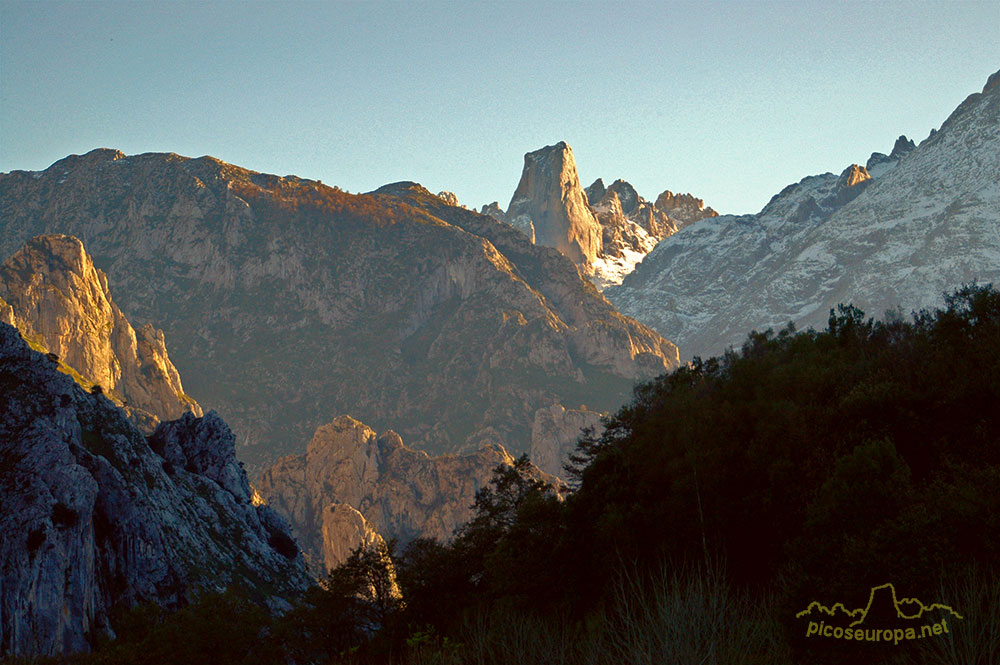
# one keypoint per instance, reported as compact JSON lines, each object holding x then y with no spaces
{"x":596,"y":191}
{"x":879,"y":163}
{"x":450,"y":198}
{"x":992,"y":83}
{"x":684,"y":209}
{"x":626,"y":194}
{"x":550,"y":198}
{"x":60,"y":302}
{"x":903,"y":146}
{"x":853,"y":175}
{"x":851,"y":183}
{"x":495,"y":211}
{"x":90,"y":159}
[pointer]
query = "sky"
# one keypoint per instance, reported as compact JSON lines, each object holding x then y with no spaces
{"x":730,"y":101}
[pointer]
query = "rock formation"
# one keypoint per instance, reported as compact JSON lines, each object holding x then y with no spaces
{"x":496,"y":212}
{"x":555,"y":433}
{"x":549,"y":198}
{"x":683,"y":209}
{"x":628,"y":226}
{"x":596,"y":191}
{"x":60,"y":302}
{"x":879,"y":163}
{"x":353,"y":486}
{"x":96,"y":518}
{"x":450,"y":198}
{"x":285,"y":300}
{"x":897,"y":235}
{"x":343,"y":530}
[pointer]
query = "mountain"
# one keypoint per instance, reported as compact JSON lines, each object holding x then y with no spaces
{"x":52,"y":293}
{"x":353,"y":486}
{"x":550,"y":206}
{"x":921,"y":222}
{"x":97,"y":518}
{"x":286,"y":301}
{"x":604,"y":230}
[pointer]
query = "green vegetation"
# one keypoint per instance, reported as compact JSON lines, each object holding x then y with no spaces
{"x":716,"y":505}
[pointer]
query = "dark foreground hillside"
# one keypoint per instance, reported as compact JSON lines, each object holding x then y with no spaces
{"x":724,"y":500}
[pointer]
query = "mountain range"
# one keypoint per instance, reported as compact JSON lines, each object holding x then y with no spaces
{"x":286,"y":302}
{"x":897,"y":234}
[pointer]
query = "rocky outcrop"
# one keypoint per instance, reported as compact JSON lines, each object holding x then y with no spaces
{"x":450,"y":198}
{"x":285,"y":300}
{"x":343,"y":530}
{"x":496,"y":212}
{"x":879,"y":163}
{"x":549,"y":198}
{"x":629,"y":226}
{"x":596,"y":191}
{"x":353,"y":485}
{"x":61,"y":303}
{"x":555,"y":433}
{"x":879,"y":238}
{"x":96,"y":518}
{"x":683,"y":209}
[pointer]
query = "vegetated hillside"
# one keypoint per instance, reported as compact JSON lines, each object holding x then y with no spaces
{"x":97,"y":518}
{"x":286,"y":301}
{"x":923,"y":223}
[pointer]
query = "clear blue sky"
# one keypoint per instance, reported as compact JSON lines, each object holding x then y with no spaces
{"x":730,"y":101}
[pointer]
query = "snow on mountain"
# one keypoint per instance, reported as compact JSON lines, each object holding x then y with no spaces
{"x":922,"y":222}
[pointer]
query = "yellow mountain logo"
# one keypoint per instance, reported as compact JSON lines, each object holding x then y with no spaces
{"x":885,"y":618}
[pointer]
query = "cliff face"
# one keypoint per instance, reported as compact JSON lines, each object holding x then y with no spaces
{"x":555,"y":433}
{"x":95,"y":517}
{"x":59,"y":301}
{"x":550,"y":198}
{"x":606,"y":231}
{"x":285,"y":300}
{"x":353,"y":486}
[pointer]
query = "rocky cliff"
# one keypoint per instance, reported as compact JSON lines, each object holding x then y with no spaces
{"x":550,"y":200}
{"x":353,"y":486}
{"x":61,"y":304}
{"x":620,"y":227}
{"x":918,"y":223}
{"x":555,"y":433}
{"x":683,"y":209}
{"x":96,"y":517}
{"x":285,"y":300}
